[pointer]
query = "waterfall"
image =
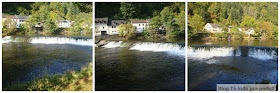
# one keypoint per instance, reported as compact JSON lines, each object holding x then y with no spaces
{"x":50,"y":40}
{"x":262,"y":54}
{"x":172,"y":48}
{"x":204,"y":53}
{"x":209,"y":52}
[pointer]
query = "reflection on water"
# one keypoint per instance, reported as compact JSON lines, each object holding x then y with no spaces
{"x":267,"y":42}
{"x":211,"y":65}
{"x":124,"y":68}
{"x":24,"y":61}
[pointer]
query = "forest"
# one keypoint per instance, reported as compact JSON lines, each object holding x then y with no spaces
{"x":49,"y":14}
{"x":261,"y":16}
{"x":170,"y":15}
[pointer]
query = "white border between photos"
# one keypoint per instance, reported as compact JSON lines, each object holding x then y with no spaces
{"x":93,"y":50}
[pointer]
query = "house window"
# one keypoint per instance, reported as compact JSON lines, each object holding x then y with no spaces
{"x":21,"y":20}
{"x":112,"y":26}
{"x":143,"y":27}
{"x":143,"y":24}
{"x":115,"y":26}
{"x":103,"y":27}
{"x":139,"y":24}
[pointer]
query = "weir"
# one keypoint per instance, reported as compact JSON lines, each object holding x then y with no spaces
{"x":50,"y":40}
{"x":172,"y":48}
{"x":206,"y":52}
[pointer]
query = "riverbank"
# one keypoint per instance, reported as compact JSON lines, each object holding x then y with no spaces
{"x":80,"y":80}
{"x":98,"y":39}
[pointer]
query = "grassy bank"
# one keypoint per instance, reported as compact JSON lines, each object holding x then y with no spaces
{"x":80,"y":80}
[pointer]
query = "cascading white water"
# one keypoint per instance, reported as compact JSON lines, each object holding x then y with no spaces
{"x":159,"y":47}
{"x":262,"y":54}
{"x":202,"y":53}
{"x":6,"y":39}
{"x":113,"y":44}
{"x":171,"y":48}
{"x":51,"y":40}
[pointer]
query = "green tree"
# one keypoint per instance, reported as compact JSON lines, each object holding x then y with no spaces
{"x":9,"y":27}
{"x":248,"y":22}
{"x":167,"y":19}
{"x":127,"y":10}
{"x":127,"y":31}
{"x":181,"y":19}
{"x":236,"y":33}
{"x":196,"y":24}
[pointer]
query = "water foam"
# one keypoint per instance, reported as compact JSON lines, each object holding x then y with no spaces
{"x":262,"y":54}
{"x":206,"y":53}
{"x":203,"y":53}
{"x":171,"y":48}
{"x":50,"y":40}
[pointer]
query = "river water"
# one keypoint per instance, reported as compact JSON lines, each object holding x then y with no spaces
{"x":25,"y":58}
{"x":209,"y":65}
{"x":140,"y":66}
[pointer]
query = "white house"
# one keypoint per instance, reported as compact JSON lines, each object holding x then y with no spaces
{"x":64,"y":23}
{"x":113,"y":27}
{"x":17,"y":18}
{"x":140,"y":25}
{"x":20,"y":20}
{"x":248,"y":31}
{"x":101,"y":26}
{"x":213,"y":28}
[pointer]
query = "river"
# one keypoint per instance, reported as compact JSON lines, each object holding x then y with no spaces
{"x":231,"y":62}
{"x":138,"y":65}
{"x":27,"y":57}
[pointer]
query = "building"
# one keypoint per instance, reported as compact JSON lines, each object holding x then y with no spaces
{"x":213,"y":28}
{"x":17,"y":18}
{"x":101,"y":26}
{"x":105,"y":26}
{"x":64,"y":23}
{"x":140,"y":25}
{"x":113,"y":27}
{"x":248,"y":31}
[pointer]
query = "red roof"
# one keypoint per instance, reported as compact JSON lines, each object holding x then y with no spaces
{"x":9,"y":16}
{"x":139,"y":21}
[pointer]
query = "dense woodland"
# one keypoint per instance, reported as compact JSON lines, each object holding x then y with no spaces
{"x":261,"y":16}
{"x":49,"y":13}
{"x":169,"y":15}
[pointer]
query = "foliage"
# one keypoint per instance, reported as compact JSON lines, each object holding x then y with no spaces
{"x":248,"y":22}
{"x":240,"y":14}
{"x":236,"y":33}
{"x":127,"y":31}
{"x":196,"y":24}
{"x":127,"y":10}
{"x":70,"y":81}
{"x":50,"y":13}
{"x":141,"y":10}
{"x":9,"y":27}
{"x":267,"y":29}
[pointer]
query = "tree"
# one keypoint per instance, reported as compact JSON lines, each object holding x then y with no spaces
{"x":267,"y":28}
{"x":155,"y":23}
{"x":196,"y":23}
{"x":9,"y":27}
{"x":50,"y":26}
{"x":167,"y":19}
{"x":127,"y":10}
{"x":127,"y":31}
{"x":181,"y":19}
{"x":248,"y":22}
{"x":236,"y":33}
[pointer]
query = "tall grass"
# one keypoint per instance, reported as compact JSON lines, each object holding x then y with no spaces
{"x":80,"y":80}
